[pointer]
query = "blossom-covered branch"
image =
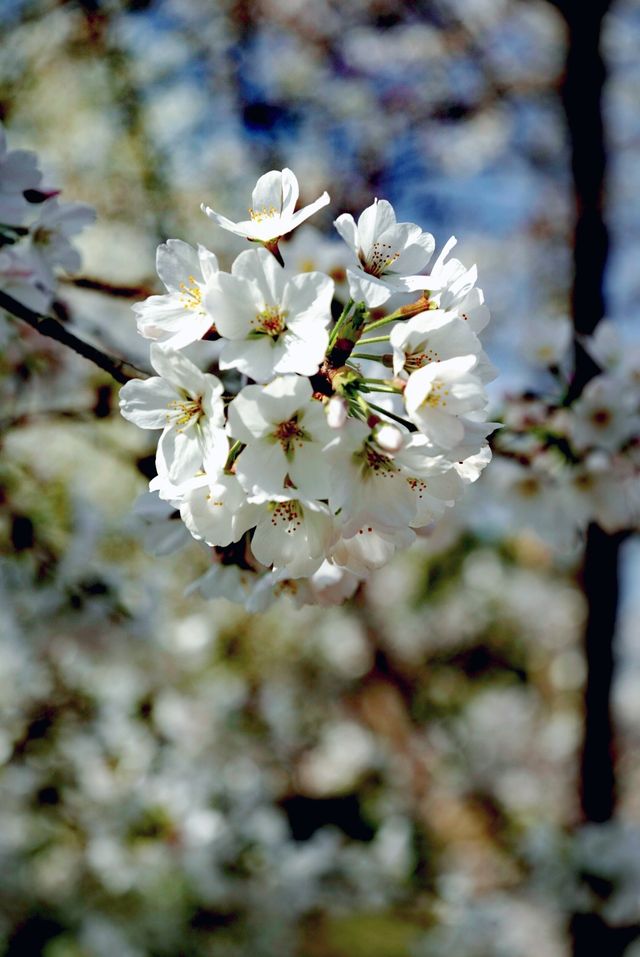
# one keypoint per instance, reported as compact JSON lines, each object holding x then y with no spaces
{"x":283,"y":466}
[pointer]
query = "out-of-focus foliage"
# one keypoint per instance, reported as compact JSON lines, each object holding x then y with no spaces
{"x":392,"y":778}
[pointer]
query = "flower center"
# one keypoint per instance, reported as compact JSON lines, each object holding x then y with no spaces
{"x":416,"y":360}
{"x":191,"y":295}
{"x":375,"y":463}
{"x":258,"y":215}
{"x":43,"y":236}
{"x":528,"y":487}
{"x":290,"y":435}
{"x":271,"y":321}
{"x":183,"y":413}
{"x":601,"y":417}
{"x":379,"y":260}
{"x":417,"y":485}
{"x":287,"y":513}
{"x":437,"y":395}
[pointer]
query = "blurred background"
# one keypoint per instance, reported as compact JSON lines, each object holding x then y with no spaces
{"x":397,"y":777}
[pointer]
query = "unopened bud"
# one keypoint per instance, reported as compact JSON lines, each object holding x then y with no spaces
{"x":388,"y":437}
{"x":336,"y":412}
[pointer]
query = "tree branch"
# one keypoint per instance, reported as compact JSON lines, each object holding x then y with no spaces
{"x":107,"y":288}
{"x":120,"y":370}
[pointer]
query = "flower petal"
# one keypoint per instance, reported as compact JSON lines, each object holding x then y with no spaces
{"x":145,"y":402}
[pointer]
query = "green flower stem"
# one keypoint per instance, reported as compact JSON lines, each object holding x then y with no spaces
{"x":393,"y":317}
{"x":346,"y":334}
{"x":404,"y":312}
{"x":234,"y":452}
{"x":367,"y":355}
{"x":397,"y":418}
{"x":335,"y":332}
{"x":366,"y":342}
{"x":380,"y":388}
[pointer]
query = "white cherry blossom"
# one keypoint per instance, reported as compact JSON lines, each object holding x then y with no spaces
{"x":472,"y":309}
{"x":293,"y":535}
{"x":375,"y":486}
{"x":439,"y":393}
{"x":180,"y":316}
{"x":273,"y":323}
{"x":310,"y":476}
{"x":329,"y":585}
{"x":369,"y":486}
{"x":18,"y":172}
{"x":368,"y":548}
{"x":613,"y":354}
{"x":433,"y":494}
{"x":162,"y":530}
{"x":388,"y":253}
{"x":233,"y":581}
{"x":546,"y":341}
{"x":272,"y":211}
{"x":605,"y":416}
{"x":216,"y":510}
{"x":18,"y":279}
{"x":434,"y":336}
{"x":49,"y":243}
{"x":285,"y":431}
{"x":451,"y":282}
{"x":187,"y":405}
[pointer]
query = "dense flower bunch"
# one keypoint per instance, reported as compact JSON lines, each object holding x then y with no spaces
{"x":283,"y":464}
{"x":564,"y":463}
{"x":35,"y":229}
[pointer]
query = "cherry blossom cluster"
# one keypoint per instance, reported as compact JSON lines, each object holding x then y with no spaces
{"x":35,"y":229}
{"x":292,"y":462}
{"x":563,"y":463}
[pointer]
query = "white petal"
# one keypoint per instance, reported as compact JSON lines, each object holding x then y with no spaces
{"x":214,"y":446}
{"x":177,"y":369}
{"x":445,"y":430}
{"x":145,"y":402}
{"x":231,"y":303}
{"x":308,"y":211}
{"x":179,"y":455}
{"x":276,"y":190}
{"x":373,"y":291}
{"x":247,"y":419}
{"x":261,"y":469}
{"x":374,"y":220}
{"x":175,"y":262}
{"x":165,"y":319}
{"x":283,"y":397}
{"x":239,"y":229}
{"x":416,"y":254}
{"x":309,"y":471}
{"x":308,"y":296}
{"x":208,"y":262}
{"x":255,"y":358}
{"x":303,"y":355}
{"x":346,"y":227}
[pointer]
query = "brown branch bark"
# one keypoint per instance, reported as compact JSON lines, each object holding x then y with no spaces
{"x":118,"y":369}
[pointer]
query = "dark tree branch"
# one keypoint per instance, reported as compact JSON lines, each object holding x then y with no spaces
{"x":120,"y":370}
{"x":109,"y":289}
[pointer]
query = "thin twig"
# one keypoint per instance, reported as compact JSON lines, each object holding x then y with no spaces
{"x":107,"y":288}
{"x":120,"y":370}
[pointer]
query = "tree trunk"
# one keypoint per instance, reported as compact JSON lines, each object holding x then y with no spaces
{"x":582,"y":100}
